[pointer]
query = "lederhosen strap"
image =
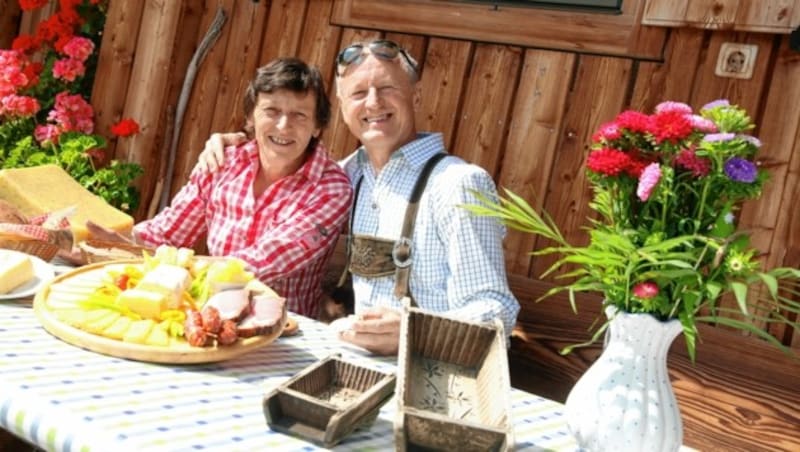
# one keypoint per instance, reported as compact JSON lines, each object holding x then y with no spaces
{"x":401,"y":251}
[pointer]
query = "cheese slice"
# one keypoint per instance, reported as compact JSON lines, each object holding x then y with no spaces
{"x":15,"y":270}
{"x":47,"y":188}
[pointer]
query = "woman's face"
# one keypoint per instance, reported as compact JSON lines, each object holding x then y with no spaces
{"x":284,"y":123}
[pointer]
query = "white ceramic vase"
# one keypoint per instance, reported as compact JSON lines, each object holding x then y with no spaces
{"x":624,"y":401}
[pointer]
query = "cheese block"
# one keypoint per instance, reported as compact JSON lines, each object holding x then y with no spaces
{"x":16,"y":269}
{"x":143,"y":302}
{"x":47,"y":188}
{"x":170,"y":280}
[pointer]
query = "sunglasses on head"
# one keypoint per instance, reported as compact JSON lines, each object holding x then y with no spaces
{"x":382,"y":48}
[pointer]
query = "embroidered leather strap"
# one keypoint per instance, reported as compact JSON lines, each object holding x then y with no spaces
{"x":375,"y":248}
{"x":402,"y":253}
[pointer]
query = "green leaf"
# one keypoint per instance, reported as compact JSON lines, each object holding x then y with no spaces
{"x":740,"y":292}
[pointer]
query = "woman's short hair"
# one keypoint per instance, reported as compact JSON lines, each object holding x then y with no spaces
{"x":291,"y":74}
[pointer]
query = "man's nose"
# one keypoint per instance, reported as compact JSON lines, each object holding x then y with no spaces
{"x":373,"y":99}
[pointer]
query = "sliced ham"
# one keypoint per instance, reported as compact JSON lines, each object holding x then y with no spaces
{"x":231,"y":304}
{"x":267,"y":313}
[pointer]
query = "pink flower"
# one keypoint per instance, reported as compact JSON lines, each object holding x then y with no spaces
{"x":46,"y":132}
{"x":72,"y":113}
{"x":673,"y":107}
{"x":645,"y":290}
{"x":78,"y":48}
{"x":703,"y":124}
{"x":68,"y":69}
{"x":608,"y":132}
{"x":649,"y":179}
{"x":14,"y":105}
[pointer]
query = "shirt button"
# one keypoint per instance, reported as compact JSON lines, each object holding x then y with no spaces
{"x":374,"y":205}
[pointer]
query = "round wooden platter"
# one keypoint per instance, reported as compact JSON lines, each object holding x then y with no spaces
{"x":69,"y":288}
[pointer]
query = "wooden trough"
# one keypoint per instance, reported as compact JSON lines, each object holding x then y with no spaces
{"x":453,"y":385}
{"x":328,"y":400}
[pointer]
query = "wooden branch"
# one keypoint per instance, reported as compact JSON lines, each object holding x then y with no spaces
{"x":191,"y":72}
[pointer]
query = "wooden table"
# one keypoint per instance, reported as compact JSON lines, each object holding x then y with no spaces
{"x":63,"y":398}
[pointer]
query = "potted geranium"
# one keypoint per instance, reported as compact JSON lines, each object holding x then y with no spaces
{"x":663,"y":251}
{"x":45,"y":117}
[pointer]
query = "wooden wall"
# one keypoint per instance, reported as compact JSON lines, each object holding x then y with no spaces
{"x":523,"y":112}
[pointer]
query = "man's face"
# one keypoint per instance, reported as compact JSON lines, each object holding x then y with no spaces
{"x":377,"y":102}
{"x":284,"y":123}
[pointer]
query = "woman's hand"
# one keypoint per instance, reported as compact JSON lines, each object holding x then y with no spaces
{"x":213,"y":156}
{"x":109,"y":235}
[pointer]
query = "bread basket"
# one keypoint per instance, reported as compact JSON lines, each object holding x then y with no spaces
{"x":94,"y":250}
{"x":42,"y":249}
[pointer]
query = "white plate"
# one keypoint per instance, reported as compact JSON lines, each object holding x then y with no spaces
{"x":42,"y":274}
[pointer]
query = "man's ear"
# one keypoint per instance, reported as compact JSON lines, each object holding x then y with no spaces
{"x":417,"y":96}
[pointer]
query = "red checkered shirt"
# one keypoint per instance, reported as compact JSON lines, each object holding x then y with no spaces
{"x":286,"y":235}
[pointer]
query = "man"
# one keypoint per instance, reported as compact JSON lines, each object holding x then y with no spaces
{"x":457,"y":266}
{"x":280,"y":203}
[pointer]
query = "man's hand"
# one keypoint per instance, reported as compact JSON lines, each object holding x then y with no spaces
{"x":377,"y":330}
{"x":213,"y":156}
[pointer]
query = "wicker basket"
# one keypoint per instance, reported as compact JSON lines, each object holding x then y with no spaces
{"x":41,"y":249}
{"x":94,"y":251}
{"x":328,"y":400}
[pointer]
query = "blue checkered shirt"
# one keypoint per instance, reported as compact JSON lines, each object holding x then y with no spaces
{"x":458,"y":267}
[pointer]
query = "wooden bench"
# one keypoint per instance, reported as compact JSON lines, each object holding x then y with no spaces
{"x":741,"y":394}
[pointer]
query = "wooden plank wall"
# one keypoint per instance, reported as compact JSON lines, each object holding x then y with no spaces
{"x":524,"y":114}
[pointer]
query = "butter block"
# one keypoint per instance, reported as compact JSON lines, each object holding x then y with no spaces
{"x":15,"y":270}
{"x":47,"y":188}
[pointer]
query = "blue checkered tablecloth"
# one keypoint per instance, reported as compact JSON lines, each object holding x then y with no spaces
{"x":64,"y":398}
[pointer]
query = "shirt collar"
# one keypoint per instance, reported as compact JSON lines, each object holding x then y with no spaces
{"x":312,"y":169}
{"x":415,"y":153}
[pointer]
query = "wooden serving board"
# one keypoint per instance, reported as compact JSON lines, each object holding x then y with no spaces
{"x":69,"y":288}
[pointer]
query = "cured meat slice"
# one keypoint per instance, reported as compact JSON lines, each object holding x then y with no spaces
{"x":231,"y":304}
{"x":267,"y":313}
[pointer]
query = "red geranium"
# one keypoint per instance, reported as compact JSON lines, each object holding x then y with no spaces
{"x":125,"y":128}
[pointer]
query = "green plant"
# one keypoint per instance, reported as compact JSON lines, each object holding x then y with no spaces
{"x":666,"y":187}
{"x":44,"y":116}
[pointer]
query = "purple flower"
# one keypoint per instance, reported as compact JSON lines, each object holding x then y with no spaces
{"x":751,"y":139}
{"x":716,"y":103}
{"x":648,"y":180}
{"x":741,"y":170}
{"x":717,"y":137}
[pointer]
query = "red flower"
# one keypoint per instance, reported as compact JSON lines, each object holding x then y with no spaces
{"x":607,"y":161}
{"x":670,"y":126}
{"x":29,"y":5}
{"x":633,"y":121}
{"x":645,"y":290}
{"x":125,"y":128}
{"x":687,"y":159}
{"x":25,"y":43}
